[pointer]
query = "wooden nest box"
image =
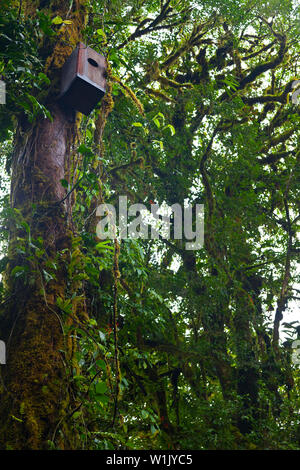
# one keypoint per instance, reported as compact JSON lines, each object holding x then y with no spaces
{"x":83,"y":79}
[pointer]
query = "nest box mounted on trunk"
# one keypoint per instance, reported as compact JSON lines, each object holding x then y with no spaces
{"x":83,"y":79}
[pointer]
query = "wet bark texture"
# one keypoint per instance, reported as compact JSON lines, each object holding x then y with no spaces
{"x":35,"y":378}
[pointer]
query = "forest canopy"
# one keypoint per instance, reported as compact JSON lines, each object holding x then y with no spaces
{"x":131,"y":343}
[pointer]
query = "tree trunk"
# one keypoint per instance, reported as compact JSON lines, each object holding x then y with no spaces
{"x":35,"y":398}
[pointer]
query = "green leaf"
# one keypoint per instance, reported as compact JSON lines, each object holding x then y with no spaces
{"x":48,"y":277}
{"x":26,"y":226}
{"x":100,"y":363}
{"x":160,"y":143}
{"x":153,"y":429}
{"x":64,"y":183}
{"x":103,"y":399}
{"x":172,"y":128}
{"x":19,"y":270}
{"x":156,"y":122}
{"x":100,"y":388}
{"x":43,"y":77}
{"x":85,"y":150}
{"x":101,"y":33}
{"x":102,"y":336}
{"x":57,"y":20}
{"x":104,"y":246}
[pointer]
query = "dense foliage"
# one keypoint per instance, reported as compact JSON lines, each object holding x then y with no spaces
{"x":176,"y":349}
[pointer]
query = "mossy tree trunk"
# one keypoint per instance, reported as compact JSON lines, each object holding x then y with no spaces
{"x":35,"y":397}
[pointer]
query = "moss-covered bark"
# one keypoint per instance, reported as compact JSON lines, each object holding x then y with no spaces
{"x":35,"y":398}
